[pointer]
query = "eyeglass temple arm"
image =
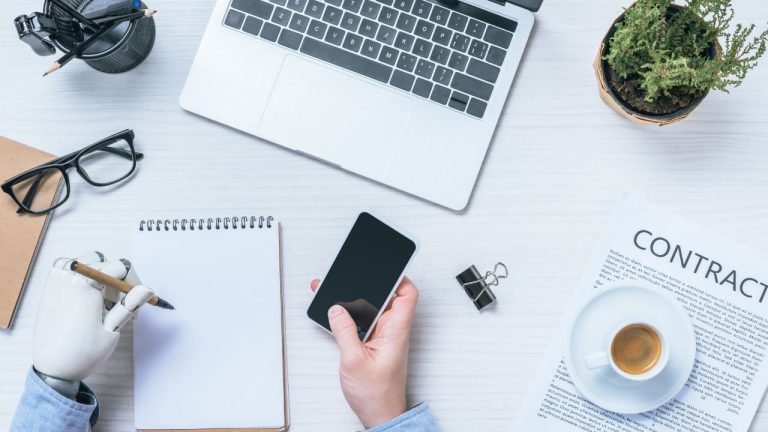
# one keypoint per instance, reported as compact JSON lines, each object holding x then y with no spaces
{"x":31,"y":193}
{"x":122,"y":153}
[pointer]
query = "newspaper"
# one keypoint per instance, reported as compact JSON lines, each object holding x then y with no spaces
{"x":724,"y":290}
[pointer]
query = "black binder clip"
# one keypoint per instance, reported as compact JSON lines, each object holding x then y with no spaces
{"x":478,"y":287}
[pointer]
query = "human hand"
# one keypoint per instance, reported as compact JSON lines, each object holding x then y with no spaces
{"x":373,"y":374}
{"x":74,"y":334}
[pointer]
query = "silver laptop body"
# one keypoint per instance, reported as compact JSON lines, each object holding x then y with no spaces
{"x":404,"y":92}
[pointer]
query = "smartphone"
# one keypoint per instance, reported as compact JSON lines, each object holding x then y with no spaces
{"x":365,"y":273}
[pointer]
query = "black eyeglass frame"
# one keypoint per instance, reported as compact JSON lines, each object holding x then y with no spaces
{"x":67,"y":162}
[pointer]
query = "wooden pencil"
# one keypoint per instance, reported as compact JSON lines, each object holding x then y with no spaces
{"x":114,"y":282}
{"x":79,"y":49}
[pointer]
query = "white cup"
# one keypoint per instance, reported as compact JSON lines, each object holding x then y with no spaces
{"x":604,"y":358}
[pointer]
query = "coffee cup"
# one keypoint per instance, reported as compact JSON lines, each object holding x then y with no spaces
{"x":636,"y":351}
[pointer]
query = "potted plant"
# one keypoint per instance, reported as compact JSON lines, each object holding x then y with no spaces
{"x":659,"y":59}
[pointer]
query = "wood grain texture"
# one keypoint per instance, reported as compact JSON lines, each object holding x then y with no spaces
{"x":559,"y":161}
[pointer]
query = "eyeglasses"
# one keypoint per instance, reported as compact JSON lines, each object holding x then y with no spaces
{"x":104,"y":163}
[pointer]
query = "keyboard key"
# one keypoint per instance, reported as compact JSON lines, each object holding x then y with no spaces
{"x":258,"y":8}
{"x":297,"y":5}
{"x":424,"y":68}
{"x":402,"y":80}
{"x":458,"y":61}
{"x":234,"y":19}
{"x":371,"y":48}
{"x":458,"y":101}
{"x":388,"y":16}
{"x":476,"y":108}
{"x":422,"y":8}
{"x":368,"y":28}
{"x":406,"y":22}
{"x":346,"y":59}
{"x":422,"y":48}
{"x":498,"y":37}
{"x":404,"y":5}
{"x":317,"y":29}
{"x":422,"y":88}
{"x":350,"y":21}
{"x":478,"y":49}
{"x":474,"y":87}
{"x":278,"y":2}
{"x":353,"y":42}
{"x":406,"y":62}
{"x":443,"y":75}
{"x":483,"y":70}
{"x":440,"y":55}
{"x":299,"y":23}
{"x":253,"y":25}
{"x":371,"y":9}
{"x":458,"y":22}
{"x":442,"y":36}
{"x":440,"y":94}
{"x":475,"y":28}
{"x":460,"y":42}
{"x":424,"y":29}
{"x":334,"y":2}
{"x":404,"y":41}
{"x":388,"y":55}
{"x":290,"y":39}
{"x":332,"y":15}
{"x":335,"y":35}
{"x":439,"y":15}
{"x":281,"y":16}
{"x":270,"y":32}
{"x":352,"y":5}
{"x":386,"y":35}
{"x":386,"y":2}
{"x":495,"y":55}
{"x":315,"y":9}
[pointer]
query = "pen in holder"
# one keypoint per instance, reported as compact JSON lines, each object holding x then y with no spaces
{"x":120,"y":48}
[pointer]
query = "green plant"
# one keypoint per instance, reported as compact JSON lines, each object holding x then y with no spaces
{"x":666,"y":53}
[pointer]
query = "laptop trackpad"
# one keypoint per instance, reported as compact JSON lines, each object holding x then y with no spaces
{"x":335,"y":116}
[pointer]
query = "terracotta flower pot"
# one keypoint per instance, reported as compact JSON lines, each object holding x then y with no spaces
{"x":611,"y":97}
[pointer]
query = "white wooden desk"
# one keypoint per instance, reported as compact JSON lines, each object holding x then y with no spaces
{"x":559,"y":161}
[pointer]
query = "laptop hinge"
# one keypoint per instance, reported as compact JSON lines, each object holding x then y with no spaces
{"x":531,"y":5}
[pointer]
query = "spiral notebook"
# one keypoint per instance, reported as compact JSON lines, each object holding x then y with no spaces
{"x":217,"y":362}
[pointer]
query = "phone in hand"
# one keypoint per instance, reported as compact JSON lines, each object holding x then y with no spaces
{"x":365,"y":273}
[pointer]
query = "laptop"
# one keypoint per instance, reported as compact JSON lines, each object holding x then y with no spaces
{"x":404,"y":92}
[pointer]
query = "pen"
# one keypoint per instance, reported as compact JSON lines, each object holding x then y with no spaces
{"x":118,"y":8}
{"x":114,"y":282}
{"x":76,"y":51}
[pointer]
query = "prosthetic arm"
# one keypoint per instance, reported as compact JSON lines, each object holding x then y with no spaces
{"x":79,"y":321}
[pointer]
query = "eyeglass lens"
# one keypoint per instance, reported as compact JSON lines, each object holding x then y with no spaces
{"x":37,"y":193}
{"x":108,"y":164}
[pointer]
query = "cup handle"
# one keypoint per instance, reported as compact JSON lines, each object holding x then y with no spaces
{"x":597,"y":360}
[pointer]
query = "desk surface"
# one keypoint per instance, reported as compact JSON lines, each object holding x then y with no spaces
{"x":559,"y":161}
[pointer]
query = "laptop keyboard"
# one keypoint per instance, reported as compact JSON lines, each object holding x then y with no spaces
{"x":450,"y":54}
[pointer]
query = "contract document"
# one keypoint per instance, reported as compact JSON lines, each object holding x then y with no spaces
{"x":723,"y":288}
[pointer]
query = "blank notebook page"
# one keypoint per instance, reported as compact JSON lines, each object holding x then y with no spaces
{"x":217,"y":360}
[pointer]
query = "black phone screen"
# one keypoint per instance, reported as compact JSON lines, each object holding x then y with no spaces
{"x":364,"y":273}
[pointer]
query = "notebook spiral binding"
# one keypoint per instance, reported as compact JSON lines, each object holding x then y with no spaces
{"x":236,"y":222}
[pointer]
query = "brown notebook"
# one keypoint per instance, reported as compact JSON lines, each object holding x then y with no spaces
{"x":20,"y":234}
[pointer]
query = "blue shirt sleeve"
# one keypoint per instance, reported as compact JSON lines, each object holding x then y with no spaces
{"x":417,"y":419}
{"x":42,"y":409}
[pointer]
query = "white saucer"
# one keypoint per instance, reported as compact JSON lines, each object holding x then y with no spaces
{"x":598,"y":315}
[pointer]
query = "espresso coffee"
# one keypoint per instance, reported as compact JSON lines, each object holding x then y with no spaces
{"x":636,"y":349}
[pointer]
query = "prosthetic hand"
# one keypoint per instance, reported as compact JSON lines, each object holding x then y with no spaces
{"x":79,"y":321}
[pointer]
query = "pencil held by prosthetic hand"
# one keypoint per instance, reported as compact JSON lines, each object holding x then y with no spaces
{"x":79,"y":320}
